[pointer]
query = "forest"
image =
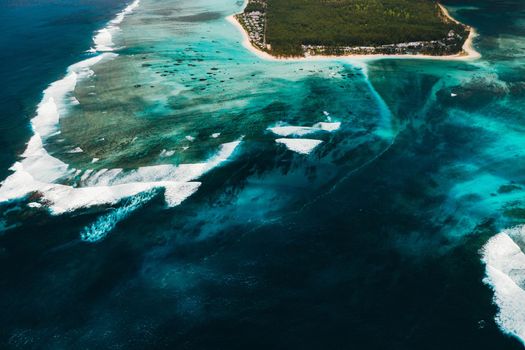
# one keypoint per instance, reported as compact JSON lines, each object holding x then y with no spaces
{"x":343,"y":23}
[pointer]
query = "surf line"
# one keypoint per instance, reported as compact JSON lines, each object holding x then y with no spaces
{"x":57,"y":184}
{"x":505,"y":274}
{"x":103,"y":40}
{"x":37,"y":170}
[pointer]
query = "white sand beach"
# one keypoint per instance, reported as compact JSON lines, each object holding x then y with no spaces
{"x":468,"y":53}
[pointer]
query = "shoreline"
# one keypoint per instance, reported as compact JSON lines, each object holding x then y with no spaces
{"x":469,"y":52}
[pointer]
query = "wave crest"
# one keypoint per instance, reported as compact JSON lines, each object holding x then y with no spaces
{"x":505,"y":274}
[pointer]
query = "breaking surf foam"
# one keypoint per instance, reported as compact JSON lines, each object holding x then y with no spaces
{"x":174,"y":195}
{"x":174,"y":180}
{"x":291,"y":130}
{"x":63,"y":189}
{"x":302,"y":146}
{"x":37,"y":174}
{"x":54,"y":101}
{"x":104,"y":224}
{"x":103,"y":39}
{"x":37,"y":170}
{"x":505,"y":274}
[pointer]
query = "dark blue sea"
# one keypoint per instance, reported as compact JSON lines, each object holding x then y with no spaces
{"x":39,"y":40}
{"x":165,"y":188}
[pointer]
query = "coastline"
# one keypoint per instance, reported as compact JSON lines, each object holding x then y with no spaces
{"x":447,"y":14}
{"x":469,"y":52}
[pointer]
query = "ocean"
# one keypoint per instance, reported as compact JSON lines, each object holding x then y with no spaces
{"x":163,"y":187}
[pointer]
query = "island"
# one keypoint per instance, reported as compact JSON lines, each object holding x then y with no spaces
{"x":303,"y":28}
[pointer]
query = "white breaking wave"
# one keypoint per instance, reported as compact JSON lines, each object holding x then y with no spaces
{"x":139,"y":185}
{"x":39,"y":172}
{"x":104,"y":224}
{"x":159,"y":173}
{"x":302,"y":146}
{"x":103,"y":39}
{"x":38,"y":169}
{"x":61,"y":199}
{"x":174,"y":194}
{"x":332,"y":126}
{"x":76,"y":150}
{"x":128,"y":10}
{"x":55,"y":96}
{"x":505,"y":274}
{"x":291,"y":130}
{"x":166,"y":153}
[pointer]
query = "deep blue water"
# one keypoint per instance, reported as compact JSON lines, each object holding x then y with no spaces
{"x":39,"y":40}
{"x":372,"y":242}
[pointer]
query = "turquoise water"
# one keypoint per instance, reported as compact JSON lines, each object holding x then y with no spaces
{"x":178,"y":191}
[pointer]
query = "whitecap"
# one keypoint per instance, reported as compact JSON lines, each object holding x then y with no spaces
{"x":302,"y":146}
{"x":62,"y":199}
{"x":76,"y":150}
{"x":128,"y":10}
{"x":505,"y":274}
{"x":285,"y":130}
{"x":104,"y":224}
{"x":53,"y":103}
{"x":103,"y":39}
{"x":290,"y":130}
{"x":103,"y":187}
{"x":333,"y":126}
{"x":39,"y":172}
{"x":166,"y":153}
{"x":169,"y":172}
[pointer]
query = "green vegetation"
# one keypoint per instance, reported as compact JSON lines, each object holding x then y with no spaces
{"x":255,"y":6}
{"x":352,"y":23}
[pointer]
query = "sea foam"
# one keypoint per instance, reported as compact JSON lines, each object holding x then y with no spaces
{"x":107,"y":186}
{"x":37,"y":169}
{"x":291,"y":130}
{"x":505,"y":274}
{"x":302,"y":146}
{"x":104,"y":224}
{"x":39,"y":172}
{"x":54,"y":100}
{"x":103,"y":39}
